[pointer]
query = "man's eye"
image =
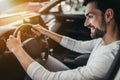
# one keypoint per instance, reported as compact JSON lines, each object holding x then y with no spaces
{"x":90,"y":16}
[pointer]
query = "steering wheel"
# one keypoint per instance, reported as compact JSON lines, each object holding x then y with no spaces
{"x":25,"y":31}
{"x":35,"y":47}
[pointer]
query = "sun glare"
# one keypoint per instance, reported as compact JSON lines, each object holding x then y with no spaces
{"x":4,"y":5}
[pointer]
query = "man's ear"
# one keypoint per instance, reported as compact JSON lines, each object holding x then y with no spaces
{"x":109,"y":15}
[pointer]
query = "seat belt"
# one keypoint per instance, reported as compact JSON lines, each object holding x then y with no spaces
{"x":111,"y":74}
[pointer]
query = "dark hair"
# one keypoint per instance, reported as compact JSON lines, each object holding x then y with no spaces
{"x":103,"y":5}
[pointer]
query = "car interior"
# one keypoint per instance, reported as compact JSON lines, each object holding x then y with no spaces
{"x":51,"y":14}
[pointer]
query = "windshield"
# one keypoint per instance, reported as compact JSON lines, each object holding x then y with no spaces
{"x":7,"y":4}
{"x":14,"y":10}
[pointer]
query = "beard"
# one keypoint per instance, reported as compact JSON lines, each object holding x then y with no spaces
{"x":99,"y":32}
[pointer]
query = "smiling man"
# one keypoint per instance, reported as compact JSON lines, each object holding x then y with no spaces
{"x":103,"y":18}
{"x":95,"y":21}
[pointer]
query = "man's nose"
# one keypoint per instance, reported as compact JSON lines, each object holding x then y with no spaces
{"x":86,"y":23}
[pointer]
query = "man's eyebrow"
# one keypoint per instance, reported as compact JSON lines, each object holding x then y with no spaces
{"x":88,"y":13}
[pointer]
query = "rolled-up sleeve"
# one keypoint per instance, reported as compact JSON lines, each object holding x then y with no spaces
{"x":37,"y":72}
{"x":33,"y":67}
{"x":78,"y":46}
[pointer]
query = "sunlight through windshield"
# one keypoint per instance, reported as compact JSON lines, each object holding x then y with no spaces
{"x":4,"y":5}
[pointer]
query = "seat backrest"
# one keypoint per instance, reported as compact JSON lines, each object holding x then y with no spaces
{"x":114,"y":68}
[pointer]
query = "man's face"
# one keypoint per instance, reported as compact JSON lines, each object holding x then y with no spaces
{"x":95,"y":21}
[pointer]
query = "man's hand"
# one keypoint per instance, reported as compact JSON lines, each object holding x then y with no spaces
{"x":13,"y":43}
{"x":38,"y":30}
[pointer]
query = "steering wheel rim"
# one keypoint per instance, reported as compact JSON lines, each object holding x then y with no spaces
{"x":25,"y":29}
{"x":38,"y":41}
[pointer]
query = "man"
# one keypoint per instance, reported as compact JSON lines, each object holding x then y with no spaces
{"x":102,"y":17}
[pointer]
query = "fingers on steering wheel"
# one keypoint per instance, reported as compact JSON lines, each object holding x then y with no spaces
{"x":36,"y":32}
{"x":19,"y":36}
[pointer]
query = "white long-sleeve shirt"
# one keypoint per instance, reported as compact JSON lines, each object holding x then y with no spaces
{"x":97,"y":66}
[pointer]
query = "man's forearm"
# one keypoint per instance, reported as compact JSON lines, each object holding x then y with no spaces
{"x":24,"y":59}
{"x":56,"y":37}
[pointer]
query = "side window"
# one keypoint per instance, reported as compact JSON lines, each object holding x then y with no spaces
{"x":69,"y":7}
